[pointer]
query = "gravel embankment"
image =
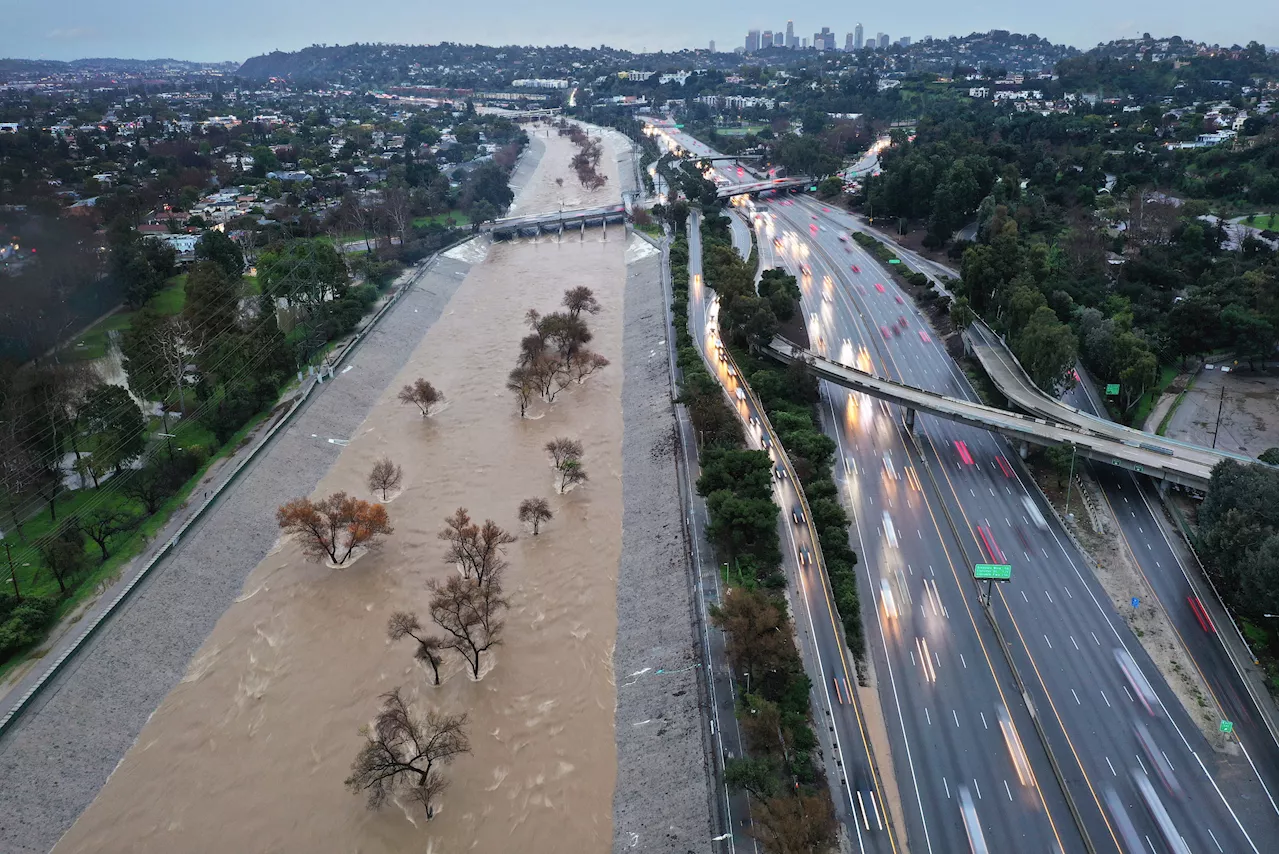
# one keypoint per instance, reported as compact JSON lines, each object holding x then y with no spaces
{"x":661,"y":800}
{"x":68,"y":743}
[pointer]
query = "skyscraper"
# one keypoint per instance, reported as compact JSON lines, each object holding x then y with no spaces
{"x":848,"y":42}
{"x":791,"y":34}
{"x":753,"y":41}
{"x":884,"y":40}
{"x":857,"y":37}
{"x":766,"y":40}
{"x":779,"y":39}
{"x":905,"y":41}
{"x":711,"y":47}
{"x":825,"y":40}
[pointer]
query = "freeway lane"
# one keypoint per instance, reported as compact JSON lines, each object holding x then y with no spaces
{"x":939,"y":681}
{"x":1078,"y":609}
{"x":856,"y":791}
{"x":1134,"y":504}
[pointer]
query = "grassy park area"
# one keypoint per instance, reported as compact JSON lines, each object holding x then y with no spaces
{"x":453,"y":219}
{"x":1266,"y":222}
{"x":92,"y":344}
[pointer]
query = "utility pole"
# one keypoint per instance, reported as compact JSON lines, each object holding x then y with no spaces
{"x":13,"y":576}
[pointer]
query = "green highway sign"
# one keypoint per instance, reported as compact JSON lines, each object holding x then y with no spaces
{"x":1226,"y":726}
{"x":992,"y":571}
{"x":894,"y":261}
{"x":1113,"y":389}
{"x":679,"y":126}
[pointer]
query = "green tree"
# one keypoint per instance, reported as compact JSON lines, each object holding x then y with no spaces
{"x":115,"y":424}
{"x":1252,"y":337}
{"x":745,"y":471}
{"x":1046,"y":347}
{"x":212,"y":299}
{"x":303,"y":272}
{"x":1060,"y":458}
{"x":217,"y":247}
{"x":961,"y":313}
{"x":744,"y":525}
{"x":758,"y":776}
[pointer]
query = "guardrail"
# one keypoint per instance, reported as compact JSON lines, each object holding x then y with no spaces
{"x":334,"y":359}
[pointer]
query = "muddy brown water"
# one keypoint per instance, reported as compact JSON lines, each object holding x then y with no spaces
{"x":250,"y":751}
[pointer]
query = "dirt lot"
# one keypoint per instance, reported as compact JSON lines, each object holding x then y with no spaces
{"x":1233,"y":411}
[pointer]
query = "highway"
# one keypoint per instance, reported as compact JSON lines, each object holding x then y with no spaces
{"x":1014,"y":383}
{"x":842,"y":736}
{"x":1061,"y":628}
{"x":1062,"y":631}
{"x":1169,"y":569}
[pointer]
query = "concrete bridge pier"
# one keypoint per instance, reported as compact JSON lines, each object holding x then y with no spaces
{"x":911,"y":419}
{"x":1023,"y":450}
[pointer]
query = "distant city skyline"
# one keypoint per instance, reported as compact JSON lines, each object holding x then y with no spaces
{"x":237,"y":29}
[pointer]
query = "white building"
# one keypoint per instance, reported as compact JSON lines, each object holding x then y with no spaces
{"x":540,"y":83}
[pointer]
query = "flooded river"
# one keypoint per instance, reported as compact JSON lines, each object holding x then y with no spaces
{"x":250,"y":751}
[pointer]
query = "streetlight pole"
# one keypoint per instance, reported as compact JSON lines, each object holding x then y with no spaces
{"x":1070,"y":477}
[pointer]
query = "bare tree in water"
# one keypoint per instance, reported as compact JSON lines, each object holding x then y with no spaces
{"x":469,"y":612}
{"x":478,"y":549}
{"x":580,"y":299}
{"x":421,"y":394}
{"x":404,"y":752}
{"x":406,"y":624}
{"x":385,"y":477}
{"x":535,"y":511}
{"x":562,"y":448}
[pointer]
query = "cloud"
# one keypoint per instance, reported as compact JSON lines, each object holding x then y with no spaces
{"x":70,"y":33}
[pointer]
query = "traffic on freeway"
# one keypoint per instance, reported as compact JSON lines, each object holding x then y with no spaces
{"x":930,"y":504}
{"x":1061,"y":628}
{"x":856,"y":790}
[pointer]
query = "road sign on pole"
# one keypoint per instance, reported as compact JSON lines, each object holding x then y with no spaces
{"x":1226,"y":726}
{"x":1113,"y":389}
{"x":992,"y":571}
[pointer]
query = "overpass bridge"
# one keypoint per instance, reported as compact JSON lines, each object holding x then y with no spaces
{"x":712,"y":158}
{"x":555,"y":222}
{"x":1136,"y":456}
{"x":1016,"y":385}
{"x":756,"y":187}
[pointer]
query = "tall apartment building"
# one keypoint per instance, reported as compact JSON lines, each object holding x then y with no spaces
{"x":857,"y":37}
{"x":711,"y":46}
{"x":905,"y":41}
{"x":753,"y":41}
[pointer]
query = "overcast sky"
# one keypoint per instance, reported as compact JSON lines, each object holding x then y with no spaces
{"x":238,"y":29}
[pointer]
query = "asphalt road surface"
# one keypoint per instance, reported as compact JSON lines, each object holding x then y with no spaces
{"x":930,"y":504}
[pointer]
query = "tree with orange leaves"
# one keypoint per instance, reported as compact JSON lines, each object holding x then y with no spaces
{"x":333,"y":527}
